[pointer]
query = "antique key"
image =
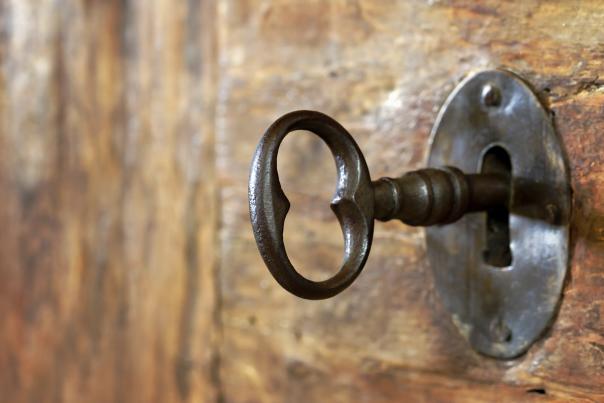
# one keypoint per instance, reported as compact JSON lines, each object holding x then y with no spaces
{"x":421,"y":198}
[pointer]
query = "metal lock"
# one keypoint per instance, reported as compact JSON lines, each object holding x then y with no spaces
{"x":495,"y":200}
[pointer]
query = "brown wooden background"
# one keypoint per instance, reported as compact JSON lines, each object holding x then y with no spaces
{"x":128,"y":270}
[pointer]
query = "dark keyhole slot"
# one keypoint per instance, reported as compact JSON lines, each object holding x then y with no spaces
{"x":497,"y":252}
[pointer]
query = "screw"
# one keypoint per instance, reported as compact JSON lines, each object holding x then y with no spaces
{"x":491,"y":96}
{"x":500,"y":332}
{"x":553,"y":214}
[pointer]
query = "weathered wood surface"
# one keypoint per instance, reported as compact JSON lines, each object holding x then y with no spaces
{"x":383,"y":68}
{"x":128,"y":270}
{"x":108,"y":208}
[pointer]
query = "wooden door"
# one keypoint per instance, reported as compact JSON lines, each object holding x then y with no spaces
{"x":128,"y":269}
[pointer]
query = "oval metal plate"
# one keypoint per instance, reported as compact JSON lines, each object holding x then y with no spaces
{"x":502,"y":311}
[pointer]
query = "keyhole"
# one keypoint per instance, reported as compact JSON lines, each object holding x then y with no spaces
{"x":497,"y":252}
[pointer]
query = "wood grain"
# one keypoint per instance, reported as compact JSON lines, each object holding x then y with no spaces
{"x":383,"y":68}
{"x":107,"y":289}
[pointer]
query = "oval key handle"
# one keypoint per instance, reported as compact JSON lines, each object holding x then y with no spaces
{"x":424,"y":197}
{"x":352,"y":204}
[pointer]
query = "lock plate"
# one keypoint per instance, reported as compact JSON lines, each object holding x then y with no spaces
{"x":501,"y":311}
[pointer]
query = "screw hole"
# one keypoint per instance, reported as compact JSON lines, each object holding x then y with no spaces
{"x":500,"y":332}
{"x":491,"y":95}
